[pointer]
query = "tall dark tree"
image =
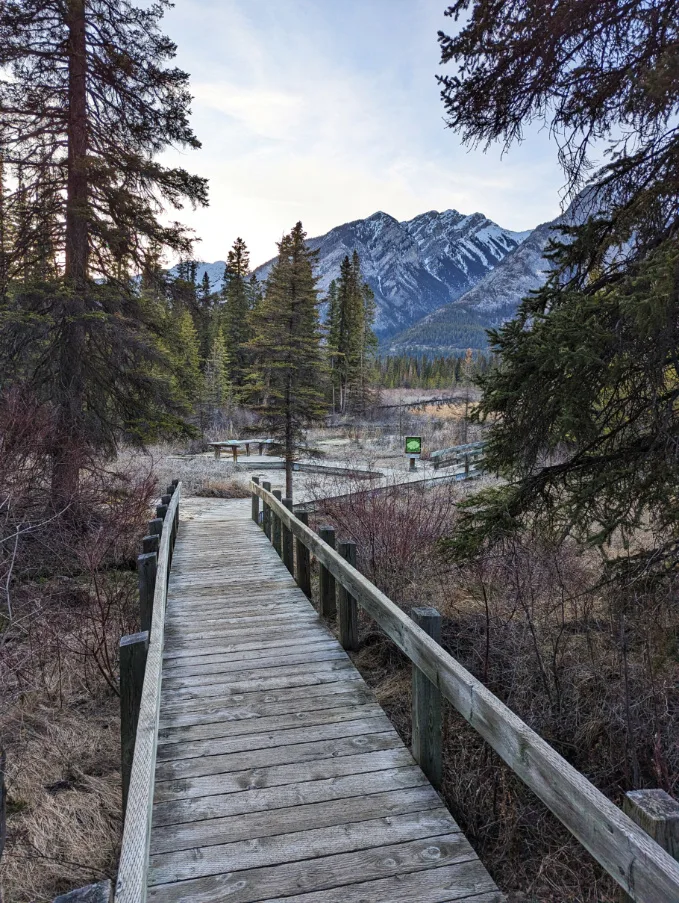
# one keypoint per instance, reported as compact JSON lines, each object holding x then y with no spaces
{"x":585,"y":401}
{"x":87,"y":102}
{"x":351,"y":341}
{"x":287,"y":375}
{"x":237,"y":303}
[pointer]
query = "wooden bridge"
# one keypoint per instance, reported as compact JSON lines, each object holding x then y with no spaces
{"x":263,"y":769}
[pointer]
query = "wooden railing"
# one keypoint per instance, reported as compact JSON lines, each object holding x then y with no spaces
{"x":628,"y":853}
{"x":141,"y":658}
{"x":469,"y":455}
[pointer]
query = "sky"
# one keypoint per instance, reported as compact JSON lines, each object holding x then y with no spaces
{"x":326,"y":111}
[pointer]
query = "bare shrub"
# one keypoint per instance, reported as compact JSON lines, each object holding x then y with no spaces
{"x":593,"y":670}
{"x":69,"y":591}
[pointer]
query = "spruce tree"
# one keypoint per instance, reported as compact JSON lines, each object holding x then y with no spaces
{"x":351,"y":341}
{"x":583,"y":404}
{"x":287,"y":376}
{"x":89,"y":103}
{"x":186,"y":359}
{"x":217,"y":387}
{"x":237,"y":294}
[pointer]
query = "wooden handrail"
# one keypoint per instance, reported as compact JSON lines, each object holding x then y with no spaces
{"x":134,"y":853}
{"x":625,"y":851}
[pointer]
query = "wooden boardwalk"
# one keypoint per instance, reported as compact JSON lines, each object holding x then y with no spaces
{"x":278,"y":776}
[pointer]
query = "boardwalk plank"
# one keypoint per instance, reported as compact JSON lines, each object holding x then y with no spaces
{"x":278,"y":776}
{"x":328,"y":872}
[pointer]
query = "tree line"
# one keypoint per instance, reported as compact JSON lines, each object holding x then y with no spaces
{"x":412,"y":371}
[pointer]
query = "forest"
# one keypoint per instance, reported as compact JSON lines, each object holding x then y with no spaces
{"x":555,"y":573}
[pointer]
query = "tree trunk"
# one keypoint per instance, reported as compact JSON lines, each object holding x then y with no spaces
{"x":289,"y":443}
{"x":69,"y":452}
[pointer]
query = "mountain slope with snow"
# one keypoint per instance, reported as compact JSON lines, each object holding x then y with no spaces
{"x":494,"y":299}
{"x":415,"y":266}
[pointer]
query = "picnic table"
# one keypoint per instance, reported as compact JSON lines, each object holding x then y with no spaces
{"x":236,"y":444}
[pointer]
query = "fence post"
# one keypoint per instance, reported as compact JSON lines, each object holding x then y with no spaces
{"x":255,"y":502}
{"x":156,"y":527}
{"x":161,"y":511}
{"x":276,"y":524}
{"x":287,"y":541}
{"x":150,"y":543}
{"x":266,"y":520}
{"x":426,"y":705}
{"x":347,"y":607}
{"x":328,"y":606}
{"x":147,"y":567}
{"x":658,"y":814}
{"x":133,"y":652}
{"x":303,"y":560}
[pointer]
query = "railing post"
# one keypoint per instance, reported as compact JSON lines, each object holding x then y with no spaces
{"x":150,"y":543}
{"x":303,"y":560}
{"x":156,"y":527}
{"x":133,"y":652}
{"x":276,"y":524}
{"x":426,"y":705}
{"x":161,"y":511}
{"x":147,"y":566}
{"x":328,"y":606}
{"x":255,"y":502}
{"x":658,"y":814}
{"x":347,"y":607}
{"x":287,"y":541}
{"x":266,"y":520}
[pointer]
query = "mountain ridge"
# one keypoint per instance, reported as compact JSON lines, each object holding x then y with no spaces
{"x":413,"y":266}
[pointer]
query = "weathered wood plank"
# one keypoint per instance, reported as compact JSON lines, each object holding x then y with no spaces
{"x":353,"y":809}
{"x":325,"y":873}
{"x":312,"y":751}
{"x":182,"y":865}
{"x":181,"y":742}
{"x":252,"y":778}
{"x":274,"y":761}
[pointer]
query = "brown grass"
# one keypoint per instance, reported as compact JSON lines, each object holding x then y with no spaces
{"x":595,"y":672}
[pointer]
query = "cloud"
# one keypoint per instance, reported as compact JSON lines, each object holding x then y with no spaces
{"x":327,"y":112}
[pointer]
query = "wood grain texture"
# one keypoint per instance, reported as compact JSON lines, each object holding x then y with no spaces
{"x":639,"y":865}
{"x":275,"y":765}
{"x":133,"y":867}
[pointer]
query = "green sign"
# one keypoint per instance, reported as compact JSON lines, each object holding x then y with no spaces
{"x":413,"y":445}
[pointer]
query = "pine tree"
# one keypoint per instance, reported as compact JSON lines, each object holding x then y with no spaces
{"x":205,"y":290}
{"x":186,"y":358}
{"x":351,"y":342}
{"x":217,"y":387}
{"x":583,"y":404}
{"x":288,"y":374}
{"x":92,"y":103}
{"x":238,"y":300}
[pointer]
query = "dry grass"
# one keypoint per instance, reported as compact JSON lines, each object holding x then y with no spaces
{"x":64,"y":795}
{"x":596,"y":673}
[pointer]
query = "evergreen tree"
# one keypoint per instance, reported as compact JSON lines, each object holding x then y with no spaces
{"x":217,"y":387}
{"x":351,"y":342}
{"x":205,"y":290}
{"x":287,"y":374}
{"x":583,"y":405}
{"x":87,"y":103}
{"x":186,"y":359}
{"x":333,"y":341}
{"x":238,"y":300}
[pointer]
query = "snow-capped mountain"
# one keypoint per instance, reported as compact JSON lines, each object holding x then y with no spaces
{"x":215,"y":273}
{"x":494,"y":299}
{"x":413,"y":266}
